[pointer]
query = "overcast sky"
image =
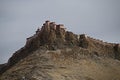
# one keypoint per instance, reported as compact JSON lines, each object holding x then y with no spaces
{"x":19,"y":19}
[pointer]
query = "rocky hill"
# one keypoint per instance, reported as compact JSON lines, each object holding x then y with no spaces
{"x":53,"y":53}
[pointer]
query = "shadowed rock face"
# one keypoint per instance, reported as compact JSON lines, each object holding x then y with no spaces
{"x":83,"y":41}
{"x":117,"y":51}
{"x":64,"y":45}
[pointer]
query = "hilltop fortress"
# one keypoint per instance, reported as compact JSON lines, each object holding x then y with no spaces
{"x":56,"y":36}
{"x":48,"y":33}
{"x":53,"y":34}
{"x":52,"y":37}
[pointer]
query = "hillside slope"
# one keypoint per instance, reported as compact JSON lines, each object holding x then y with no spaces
{"x":66,"y":64}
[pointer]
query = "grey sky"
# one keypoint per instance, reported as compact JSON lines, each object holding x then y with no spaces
{"x":19,"y":19}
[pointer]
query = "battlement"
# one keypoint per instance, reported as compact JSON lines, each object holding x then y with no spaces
{"x":52,"y":25}
{"x":101,"y":41}
{"x":52,"y":22}
{"x":61,"y":26}
{"x":47,"y":21}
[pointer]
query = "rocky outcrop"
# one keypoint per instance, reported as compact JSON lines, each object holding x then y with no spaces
{"x":71,"y":39}
{"x":83,"y":41}
{"x":3,"y":68}
{"x":117,"y":51}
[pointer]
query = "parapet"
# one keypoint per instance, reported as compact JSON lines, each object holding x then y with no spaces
{"x":47,"y":21}
{"x":61,"y":26}
{"x":52,"y":22}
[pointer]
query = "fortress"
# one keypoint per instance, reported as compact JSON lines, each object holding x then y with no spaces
{"x":50,"y":32}
{"x":56,"y":37}
{"x":47,"y":31}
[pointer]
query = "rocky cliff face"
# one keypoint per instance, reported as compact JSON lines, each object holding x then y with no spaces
{"x":53,"y":53}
